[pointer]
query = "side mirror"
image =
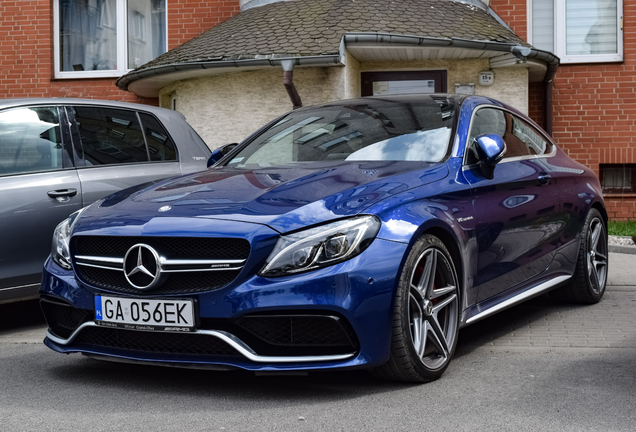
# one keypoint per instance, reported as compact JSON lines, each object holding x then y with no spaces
{"x":491,"y":149}
{"x":220,"y":152}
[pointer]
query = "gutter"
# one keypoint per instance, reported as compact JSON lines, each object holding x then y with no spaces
{"x":323,"y":60}
{"x":518,"y":50}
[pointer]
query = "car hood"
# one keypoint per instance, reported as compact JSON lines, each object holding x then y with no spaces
{"x":284,"y":198}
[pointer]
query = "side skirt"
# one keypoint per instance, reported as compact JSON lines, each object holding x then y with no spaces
{"x":19,"y":293}
{"x":478,"y":312}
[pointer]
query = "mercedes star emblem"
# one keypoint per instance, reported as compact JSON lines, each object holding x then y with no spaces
{"x":142,"y":267}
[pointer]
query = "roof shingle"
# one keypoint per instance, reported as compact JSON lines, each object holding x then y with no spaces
{"x":315,"y":27}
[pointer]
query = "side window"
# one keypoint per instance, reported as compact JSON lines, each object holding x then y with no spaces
{"x":110,"y":136}
{"x":521,"y":139}
{"x":30,"y":140}
{"x":533,"y":140}
{"x":515,"y":146}
{"x":160,"y":145}
{"x":485,"y":121}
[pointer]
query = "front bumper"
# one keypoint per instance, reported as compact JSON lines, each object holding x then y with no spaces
{"x":359,"y":293}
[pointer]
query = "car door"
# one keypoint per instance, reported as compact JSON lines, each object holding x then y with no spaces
{"x":39,"y":187}
{"x":519,"y":217}
{"x":118,"y":148}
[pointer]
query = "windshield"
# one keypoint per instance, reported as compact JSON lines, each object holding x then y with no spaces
{"x":358,"y":130}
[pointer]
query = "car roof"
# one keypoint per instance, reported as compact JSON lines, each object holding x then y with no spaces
{"x":10,"y":103}
{"x":457,"y":99}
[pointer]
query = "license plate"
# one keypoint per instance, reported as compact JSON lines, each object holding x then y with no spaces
{"x":145,"y":314}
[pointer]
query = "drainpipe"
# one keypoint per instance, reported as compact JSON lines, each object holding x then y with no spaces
{"x":288,"y":82}
{"x":548,"y":107}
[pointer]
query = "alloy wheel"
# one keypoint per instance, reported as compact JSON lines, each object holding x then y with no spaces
{"x":597,"y":255}
{"x":433,"y":308}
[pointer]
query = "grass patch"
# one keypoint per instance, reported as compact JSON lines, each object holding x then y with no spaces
{"x":622,"y":228}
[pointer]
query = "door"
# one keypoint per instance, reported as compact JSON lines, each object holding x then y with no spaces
{"x":519,"y":217}
{"x":119,"y":148}
{"x":404,"y":82}
{"x":38,"y":189}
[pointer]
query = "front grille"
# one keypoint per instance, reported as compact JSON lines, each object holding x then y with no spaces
{"x":159,"y":343}
{"x":170,"y":248}
{"x":177,"y":283}
{"x":300,"y":330}
{"x":63,"y":318}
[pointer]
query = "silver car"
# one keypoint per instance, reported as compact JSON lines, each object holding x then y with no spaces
{"x":59,"y":155}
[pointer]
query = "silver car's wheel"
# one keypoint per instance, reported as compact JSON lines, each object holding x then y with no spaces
{"x":590,"y":275}
{"x":425,"y":315}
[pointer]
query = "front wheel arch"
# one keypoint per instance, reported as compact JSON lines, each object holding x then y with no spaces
{"x":453,"y":248}
{"x":601,"y":209}
{"x":428,"y":294}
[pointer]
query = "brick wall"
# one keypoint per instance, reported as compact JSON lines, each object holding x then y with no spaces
{"x":26,"y":48}
{"x":621,"y":208}
{"x":594,"y":105}
{"x":513,"y":12}
{"x":536,"y":103}
{"x":190,"y":18}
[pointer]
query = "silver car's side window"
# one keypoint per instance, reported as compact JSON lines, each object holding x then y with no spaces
{"x":160,"y":145}
{"x":30,"y":140}
{"x":110,"y":136}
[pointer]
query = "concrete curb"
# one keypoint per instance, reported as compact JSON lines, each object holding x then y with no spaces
{"x":622,"y":249}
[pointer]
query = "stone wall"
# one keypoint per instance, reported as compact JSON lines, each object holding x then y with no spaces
{"x":228,"y":107}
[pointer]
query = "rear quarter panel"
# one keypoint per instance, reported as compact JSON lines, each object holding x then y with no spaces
{"x":193,"y":152}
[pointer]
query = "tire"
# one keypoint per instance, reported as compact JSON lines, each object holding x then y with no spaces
{"x":588,"y":282}
{"x":425,"y":315}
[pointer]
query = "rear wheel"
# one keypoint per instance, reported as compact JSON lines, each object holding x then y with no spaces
{"x":425,"y":316}
{"x":590,"y":277}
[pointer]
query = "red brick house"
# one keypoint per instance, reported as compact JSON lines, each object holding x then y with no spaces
{"x":73,"y":48}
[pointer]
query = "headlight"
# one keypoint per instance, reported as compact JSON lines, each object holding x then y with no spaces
{"x":321,"y":246}
{"x":61,"y":237}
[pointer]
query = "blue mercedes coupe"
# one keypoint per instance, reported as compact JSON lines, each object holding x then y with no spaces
{"x":360,"y":233}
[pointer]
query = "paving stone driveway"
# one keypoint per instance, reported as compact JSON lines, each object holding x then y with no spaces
{"x":545,"y":323}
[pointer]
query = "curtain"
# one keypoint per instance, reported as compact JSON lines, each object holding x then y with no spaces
{"x":88,"y":35}
{"x":146,"y":31}
{"x":591,"y":27}
{"x":543,"y":24}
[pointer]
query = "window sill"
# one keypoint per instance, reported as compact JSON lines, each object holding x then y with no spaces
{"x":619,"y":195}
{"x":85,"y":75}
{"x":573,"y":60}
{"x":83,"y":78}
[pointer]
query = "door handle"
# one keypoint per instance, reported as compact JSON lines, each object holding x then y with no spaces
{"x":62,"y":193}
{"x":544,"y":178}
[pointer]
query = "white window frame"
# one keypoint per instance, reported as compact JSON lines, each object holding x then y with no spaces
{"x":122,"y":44}
{"x":560,"y":36}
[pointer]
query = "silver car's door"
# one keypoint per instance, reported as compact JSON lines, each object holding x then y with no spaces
{"x":117,"y":148}
{"x":38,"y":189}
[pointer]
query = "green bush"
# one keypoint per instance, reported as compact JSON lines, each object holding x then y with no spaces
{"x":623,"y":228}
